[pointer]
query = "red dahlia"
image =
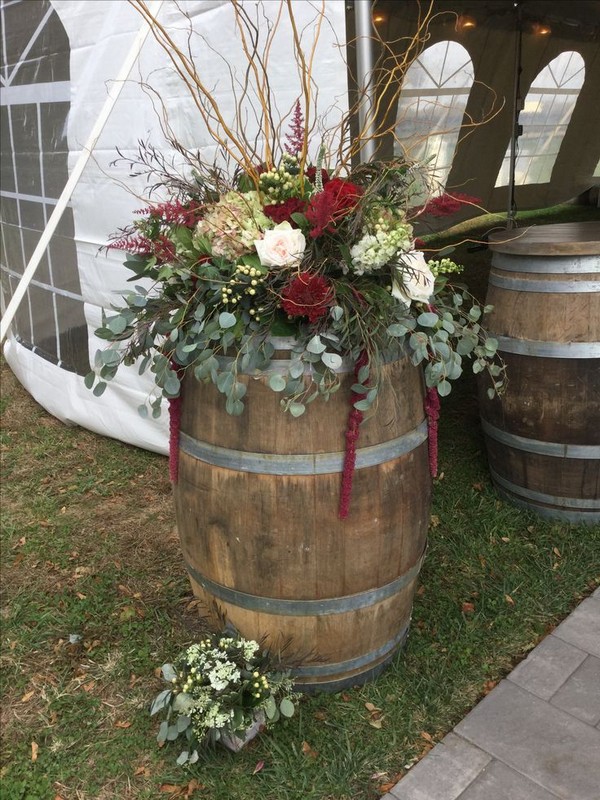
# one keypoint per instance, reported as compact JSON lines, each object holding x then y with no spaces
{"x":307,"y":295}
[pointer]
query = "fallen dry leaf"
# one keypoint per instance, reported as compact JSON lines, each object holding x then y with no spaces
{"x":320,"y":715}
{"x":87,"y":687}
{"x":308,"y":751}
{"x":478,"y":487}
{"x":122,"y":724}
{"x":468,"y":608}
{"x":387,"y":787}
{"x":258,"y":767}
{"x":488,"y":686}
{"x":376,"y":722}
{"x":27,"y":697}
{"x":509,"y":600}
{"x":34,"y":751}
{"x":142,"y":771}
{"x":434,"y":520}
{"x":371,"y":708}
{"x":427,"y":736}
{"x":556,"y":552}
{"x":505,"y":538}
{"x":421,"y":590}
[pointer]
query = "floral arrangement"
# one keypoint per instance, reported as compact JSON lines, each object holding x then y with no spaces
{"x":330,"y":261}
{"x":218,"y":688}
{"x":320,"y":250}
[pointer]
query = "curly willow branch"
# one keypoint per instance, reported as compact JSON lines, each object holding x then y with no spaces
{"x":230,"y":138}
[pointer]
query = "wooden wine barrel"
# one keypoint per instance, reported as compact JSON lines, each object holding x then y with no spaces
{"x":543,"y":435}
{"x":257,"y":512}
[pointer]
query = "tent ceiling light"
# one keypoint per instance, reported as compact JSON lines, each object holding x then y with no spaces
{"x":540,"y":29}
{"x":378,"y":18}
{"x":465,"y":22}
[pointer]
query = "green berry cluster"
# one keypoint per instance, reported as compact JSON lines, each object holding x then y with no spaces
{"x":282,"y":182}
{"x":259,"y":686}
{"x":245,"y":285}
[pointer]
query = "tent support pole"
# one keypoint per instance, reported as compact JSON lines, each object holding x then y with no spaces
{"x":516,"y":128}
{"x":113,"y":94}
{"x":363,"y":17}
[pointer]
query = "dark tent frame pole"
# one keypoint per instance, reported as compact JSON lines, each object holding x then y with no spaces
{"x":517,"y":128}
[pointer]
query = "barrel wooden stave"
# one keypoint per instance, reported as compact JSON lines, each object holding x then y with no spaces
{"x":254,"y":538}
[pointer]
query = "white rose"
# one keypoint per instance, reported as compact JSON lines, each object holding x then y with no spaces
{"x":282,"y":246}
{"x":415,"y":281}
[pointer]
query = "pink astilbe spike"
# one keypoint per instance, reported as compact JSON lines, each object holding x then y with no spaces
{"x":294,"y":140}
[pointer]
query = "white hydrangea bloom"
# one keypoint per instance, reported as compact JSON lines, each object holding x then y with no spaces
{"x":373,"y":251}
{"x":222,"y":674}
{"x":249,"y":649}
{"x":216,"y":717}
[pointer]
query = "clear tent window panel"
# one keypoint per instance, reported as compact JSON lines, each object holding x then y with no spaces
{"x":546,"y":114}
{"x":34,"y":108}
{"x":431,"y":106}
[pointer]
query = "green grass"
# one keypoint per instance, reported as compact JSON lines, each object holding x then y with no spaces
{"x":88,"y":548}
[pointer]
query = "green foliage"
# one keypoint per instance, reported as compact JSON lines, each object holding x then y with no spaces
{"x":218,"y":688}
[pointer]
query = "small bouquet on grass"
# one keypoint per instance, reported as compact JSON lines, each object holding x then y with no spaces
{"x":218,"y":689}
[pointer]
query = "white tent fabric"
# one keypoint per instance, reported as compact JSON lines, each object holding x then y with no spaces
{"x":99,"y":36}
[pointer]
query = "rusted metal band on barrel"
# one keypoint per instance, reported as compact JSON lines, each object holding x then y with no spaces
{"x":301,"y":463}
{"x":557,"y":449}
{"x":322,"y":670}
{"x":564,"y":265}
{"x":541,"y":497}
{"x":533,"y":347}
{"x":556,"y":287}
{"x":305,"y":608}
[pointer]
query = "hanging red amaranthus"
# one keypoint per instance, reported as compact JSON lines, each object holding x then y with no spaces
{"x":355,"y":417}
{"x":432,"y":409}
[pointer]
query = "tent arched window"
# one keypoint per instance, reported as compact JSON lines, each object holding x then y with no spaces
{"x":34,"y":108}
{"x":432,"y":103}
{"x":545,"y":117}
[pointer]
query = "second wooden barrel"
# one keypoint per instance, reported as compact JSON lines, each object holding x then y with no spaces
{"x":543,"y":434}
{"x":257,"y":512}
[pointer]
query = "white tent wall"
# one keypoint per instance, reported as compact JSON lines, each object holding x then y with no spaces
{"x":100,"y":34}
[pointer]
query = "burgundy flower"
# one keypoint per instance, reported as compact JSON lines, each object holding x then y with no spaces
{"x":138,"y":244}
{"x":164,"y":249}
{"x":338,"y":199}
{"x":311,"y":174}
{"x":173,"y":212}
{"x":307,"y":295}
{"x":282,"y":212}
{"x":446,"y":204}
